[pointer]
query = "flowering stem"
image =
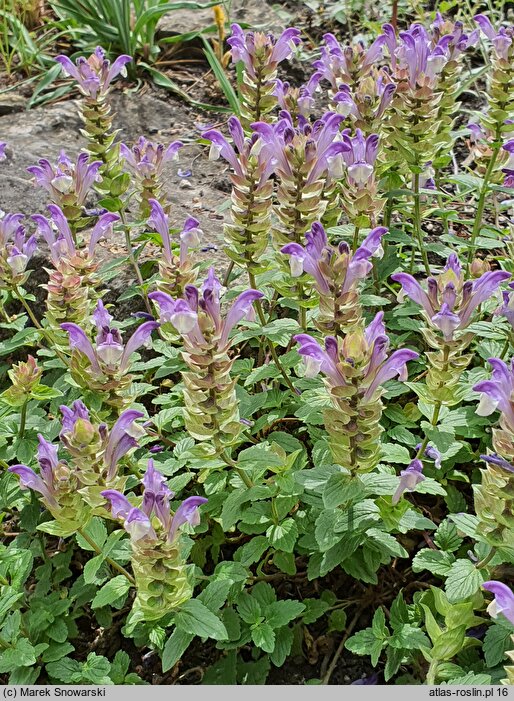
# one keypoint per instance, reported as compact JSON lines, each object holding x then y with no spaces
{"x":23,"y":419}
{"x":417,"y":223}
{"x":109,"y":561}
{"x":355,"y":239}
{"x":483,"y":194}
{"x":262,"y":319}
{"x":486,"y":560}
{"x":437,"y":406}
{"x":36,"y":323}
{"x":139,"y":277}
{"x":242,"y":474}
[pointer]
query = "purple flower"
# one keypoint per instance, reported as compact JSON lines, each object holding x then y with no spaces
{"x":497,"y":461}
{"x":15,"y":247}
{"x":254,"y":48}
{"x":502,"y":40}
{"x":496,"y":393}
{"x":409,"y":479}
{"x":339,"y":64}
{"x":109,"y":355}
{"x":184,"y":313}
{"x":503,"y":601}
{"x":320,"y":260}
{"x":147,"y":159}
{"x":3,"y":146}
{"x":451,"y":302}
{"x":156,"y":498}
{"x":187,"y":512}
{"x":507,"y":308}
{"x":432,"y":453}
{"x":157,"y":495}
{"x":136,"y":522}
{"x":95,"y":74}
{"x":30,"y":480}
{"x":189,"y":236}
{"x":66,"y":177}
{"x":360,"y":156}
{"x":71,"y":416}
{"x":122,"y":438}
{"x":366,"y":348}
{"x":321,"y":145}
{"x":46,"y":482}
{"x":366,"y":681}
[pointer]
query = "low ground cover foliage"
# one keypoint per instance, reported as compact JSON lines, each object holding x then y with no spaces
{"x":315,"y":442}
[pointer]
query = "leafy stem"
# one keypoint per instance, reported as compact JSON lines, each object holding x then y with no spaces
{"x":262,"y":319}
{"x":109,"y":560}
{"x":477,"y":225}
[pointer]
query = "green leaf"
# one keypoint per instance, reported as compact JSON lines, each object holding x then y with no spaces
{"x":23,"y":654}
{"x":446,"y":536}
{"x":111,"y":591}
{"x":96,"y":669}
{"x":409,"y":637}
{"x":449,"y":643}
{"x":42,"y":392}
{"x":385,"y":543}
{"x":441,"y":439}
{"x":249,"y":609}
{"x":434,"y":561}
{"x":263,"y":636}
{"x":314,"y":609}
{"x":215,"y":594}
{"x":280,"y":613}
{"x":221,"y":76}
{"x":366,"y":643}
{"x":471,"y":679}
{"x":96,"y":531}
{"x":464,"y":580}
{"x":176,"y":645}
{"x":283,"y":536}
{"x":119,"y":667}
{"x":64,"y":669}
{"x":337,"y":621}
{"x":496,"y":643}
{"x":252,"y":552}
{"x":283,"y":644}
{"x":194,"y":617}
{"x":392,"y":452}
{"x":467,"y":523}
{"x":342,"y":488}
{"x":57,"y":651}
{"x":91,"y":569}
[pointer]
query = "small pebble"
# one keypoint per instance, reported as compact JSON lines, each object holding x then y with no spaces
{"x":185,"y":185}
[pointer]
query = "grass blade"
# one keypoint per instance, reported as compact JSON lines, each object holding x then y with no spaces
{"x":221,"y":76}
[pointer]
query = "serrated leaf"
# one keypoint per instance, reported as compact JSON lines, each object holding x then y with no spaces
{"x":283,"y":644}
{"x":464,"y":580}
{"x":496,"y":643}
{"x":194,"y":617}
{"x":280,"y":613}
{"x":314,"y":609}
{"x":395,"y":453}
{"x":176,"y":645}
{"x":263,"y":636}
{"x":434,"y":561}
{"x":111,"y":591}
{"x":283,"y":536}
